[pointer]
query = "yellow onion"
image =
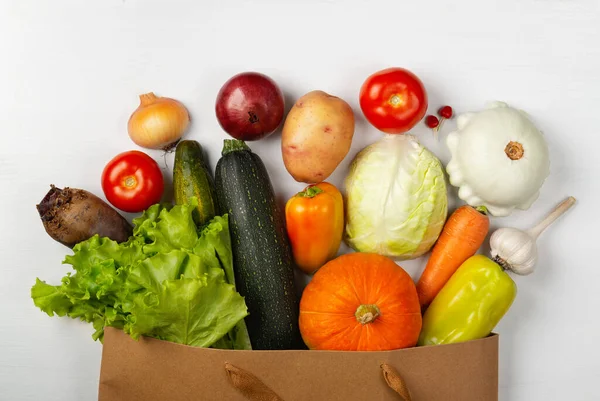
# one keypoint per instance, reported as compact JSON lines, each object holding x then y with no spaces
{"x":158,"y":122}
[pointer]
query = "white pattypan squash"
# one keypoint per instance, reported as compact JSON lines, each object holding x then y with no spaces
{"x":499,"y":159}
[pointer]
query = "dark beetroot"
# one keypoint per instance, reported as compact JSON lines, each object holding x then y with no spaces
{"x":250,"y":106}
{"x":72,"y":215}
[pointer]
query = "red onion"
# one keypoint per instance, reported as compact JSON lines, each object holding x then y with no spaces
{"x":250,"y":106}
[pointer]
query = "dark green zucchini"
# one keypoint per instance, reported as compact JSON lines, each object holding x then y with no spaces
{"x":192,"y":177}
{"x":261,"y":250}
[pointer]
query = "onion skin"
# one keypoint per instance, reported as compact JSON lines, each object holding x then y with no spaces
{"x":250,"y":106}
{"x":158,"y":122}
{"x":73,"y":215}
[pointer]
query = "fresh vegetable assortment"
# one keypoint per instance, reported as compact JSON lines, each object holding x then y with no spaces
{"x":217,"y":268}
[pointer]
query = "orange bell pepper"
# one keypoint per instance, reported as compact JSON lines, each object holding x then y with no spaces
{"x":315,"y":224}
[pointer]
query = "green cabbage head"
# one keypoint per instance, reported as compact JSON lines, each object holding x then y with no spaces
{"x":396,"y":198}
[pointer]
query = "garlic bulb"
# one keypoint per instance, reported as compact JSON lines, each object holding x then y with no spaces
{"x":516,"y":249}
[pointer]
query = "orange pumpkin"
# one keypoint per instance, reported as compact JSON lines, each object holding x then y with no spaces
{"x":360,"y":302}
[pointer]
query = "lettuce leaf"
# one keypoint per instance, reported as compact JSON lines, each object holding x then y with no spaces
{"x":195,"y":312}
{"x":169,"y":281}
{"x":164,"y":229}
{"x":216,"y":235}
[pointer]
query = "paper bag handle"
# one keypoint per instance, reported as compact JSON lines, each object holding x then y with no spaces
{"x":255,"y":390}
{"x":249,"y":385}
{"x":395,"y":381}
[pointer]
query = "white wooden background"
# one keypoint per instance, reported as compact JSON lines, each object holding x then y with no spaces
{"x":71,"y":70}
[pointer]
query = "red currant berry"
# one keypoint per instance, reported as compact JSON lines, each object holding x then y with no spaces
{"x":445,"y":112}
{"x":432,"y":121}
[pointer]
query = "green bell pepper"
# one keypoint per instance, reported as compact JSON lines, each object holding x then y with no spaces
{"x":470,"y":304}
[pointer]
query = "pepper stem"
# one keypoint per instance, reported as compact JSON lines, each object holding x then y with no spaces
{"x":502,"y":263}
{"x":233,"y":145}
{"x":552,"y":216}
{"x":310,"y":192}
{"x":367,"y":313}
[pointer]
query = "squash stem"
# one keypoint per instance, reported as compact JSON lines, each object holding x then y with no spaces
{"x":514,"y":150}
{"x":233,"y":145}
{"x":367,"y":313}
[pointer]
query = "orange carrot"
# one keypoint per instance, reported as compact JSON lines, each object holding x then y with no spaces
{"x":463,"y":234}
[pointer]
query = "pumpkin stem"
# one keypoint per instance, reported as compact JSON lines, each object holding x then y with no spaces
{"x":367,"y":313}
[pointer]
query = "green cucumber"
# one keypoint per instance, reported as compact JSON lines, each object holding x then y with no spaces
{"x":261,"y":250}
{"x":192,"y":177}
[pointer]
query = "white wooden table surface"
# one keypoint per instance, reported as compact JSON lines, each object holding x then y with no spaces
{"x":71,"y":70}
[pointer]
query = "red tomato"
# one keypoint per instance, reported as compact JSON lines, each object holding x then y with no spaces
{"x":394,"y":100}
{"x":132,"y":181}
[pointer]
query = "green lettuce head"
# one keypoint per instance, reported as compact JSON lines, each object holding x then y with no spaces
{"x":171,"y":280}
{"x":396,"y":199}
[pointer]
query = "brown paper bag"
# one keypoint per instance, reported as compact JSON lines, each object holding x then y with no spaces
{"x":153,"y":370}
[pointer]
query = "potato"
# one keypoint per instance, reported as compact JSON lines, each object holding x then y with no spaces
{"x":316,"y":137}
